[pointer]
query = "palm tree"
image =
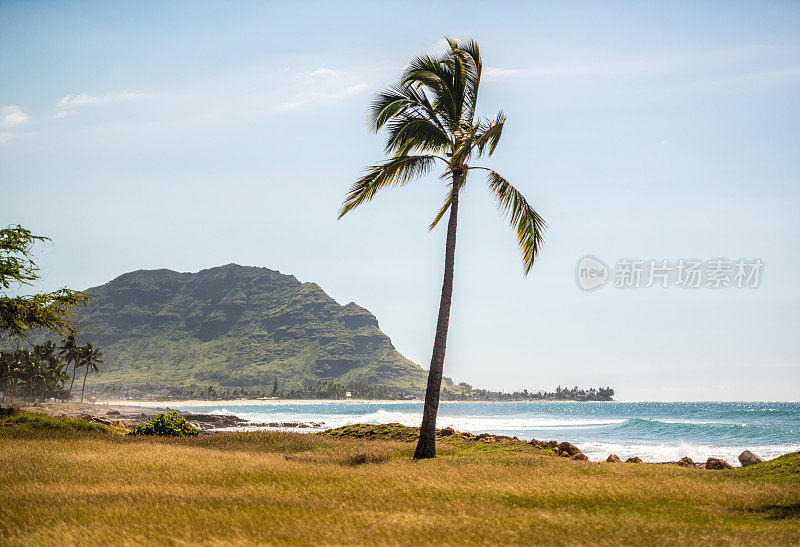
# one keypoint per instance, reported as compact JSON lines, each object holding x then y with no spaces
{"x":70,"y":350}
{"x":51,"y":370}
{"x":430,"y":117}
{"x":90,"y":357}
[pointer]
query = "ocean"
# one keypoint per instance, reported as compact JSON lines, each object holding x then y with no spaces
{"x":654,"y":431}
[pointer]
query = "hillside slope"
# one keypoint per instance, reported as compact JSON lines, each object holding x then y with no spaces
{"x":237,"y":326}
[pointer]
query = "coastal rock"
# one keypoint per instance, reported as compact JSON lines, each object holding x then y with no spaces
{"x":569,"y":448}
{"x":613,"y":458}
{"x":447,"y":432}
{"x":716,"y":463}
{"x":580,"y":456}
{"x":634,"y":459}
{"x":686,"y":461}
{"x":748,"y":458}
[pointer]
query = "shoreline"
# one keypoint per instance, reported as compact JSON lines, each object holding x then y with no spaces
{"x":128,"y":413}
{"x":260,"y":402}
{"x":249,"y":402}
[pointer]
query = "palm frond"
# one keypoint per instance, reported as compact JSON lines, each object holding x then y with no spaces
{"x":529,"y":225}
{"x":489,"y":133}
{"x":445,"y":207}
{"x":469,"y":52}
{"x":437,"y":76}
{"x":401,"y":100}
{"x":412,"y":133}
{"x":394,"y":172}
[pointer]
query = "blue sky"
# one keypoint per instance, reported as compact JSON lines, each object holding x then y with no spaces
{"x":197,"y":134}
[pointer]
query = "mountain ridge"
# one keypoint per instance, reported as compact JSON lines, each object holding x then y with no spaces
{"x":237,"y":326}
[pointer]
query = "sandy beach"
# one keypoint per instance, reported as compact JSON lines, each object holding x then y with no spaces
{"x":255,"y":402}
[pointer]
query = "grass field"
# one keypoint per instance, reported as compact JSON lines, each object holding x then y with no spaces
{"x":74,"y":485}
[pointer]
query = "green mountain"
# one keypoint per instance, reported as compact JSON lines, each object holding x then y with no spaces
{"x":237,"y":326}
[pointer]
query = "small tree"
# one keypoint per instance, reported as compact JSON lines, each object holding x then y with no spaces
{"x":20,"y":314}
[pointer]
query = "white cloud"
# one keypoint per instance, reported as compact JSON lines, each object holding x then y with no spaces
{"x":495,"y":73}
{"x":438,"y":48}
{"x":569,"y":70}
{"x":64,"y":113}
{"x":83,"y":99}
{"x":320,"y":72}
{"x":289,"y":105}
{"x":12,"y":116}
{"x":354,"y":89}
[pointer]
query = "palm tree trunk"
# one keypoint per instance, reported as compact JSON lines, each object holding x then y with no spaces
{"x":74,"y":369}
{"x":84,"y":380}
{"x":426,"y":447}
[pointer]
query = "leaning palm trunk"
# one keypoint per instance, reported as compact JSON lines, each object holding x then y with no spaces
{"x":426,"y":446}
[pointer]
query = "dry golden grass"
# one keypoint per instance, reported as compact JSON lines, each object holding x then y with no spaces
{"x":95,"y":487}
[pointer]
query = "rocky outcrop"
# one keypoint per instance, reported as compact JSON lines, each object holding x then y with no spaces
{"x":569,"y":448}
{"x":716,"y":463}
{"x":686,"y":461}
{"x":748,"y":458}
{"x":613,"y":458}
{"x":634,"y":459}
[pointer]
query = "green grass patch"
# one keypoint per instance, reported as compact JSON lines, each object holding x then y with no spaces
{"x":13,"y":420}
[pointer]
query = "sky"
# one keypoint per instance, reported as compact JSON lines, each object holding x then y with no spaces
{"x":187,"y":135}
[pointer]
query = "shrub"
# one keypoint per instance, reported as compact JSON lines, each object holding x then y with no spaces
{"x":166,"y":424}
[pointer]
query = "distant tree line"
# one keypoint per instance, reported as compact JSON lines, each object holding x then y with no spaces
{"x":328,"y":389}
{"x":41,"y":372}
{"x":322,"y":389}
{"x":560,"y":394}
